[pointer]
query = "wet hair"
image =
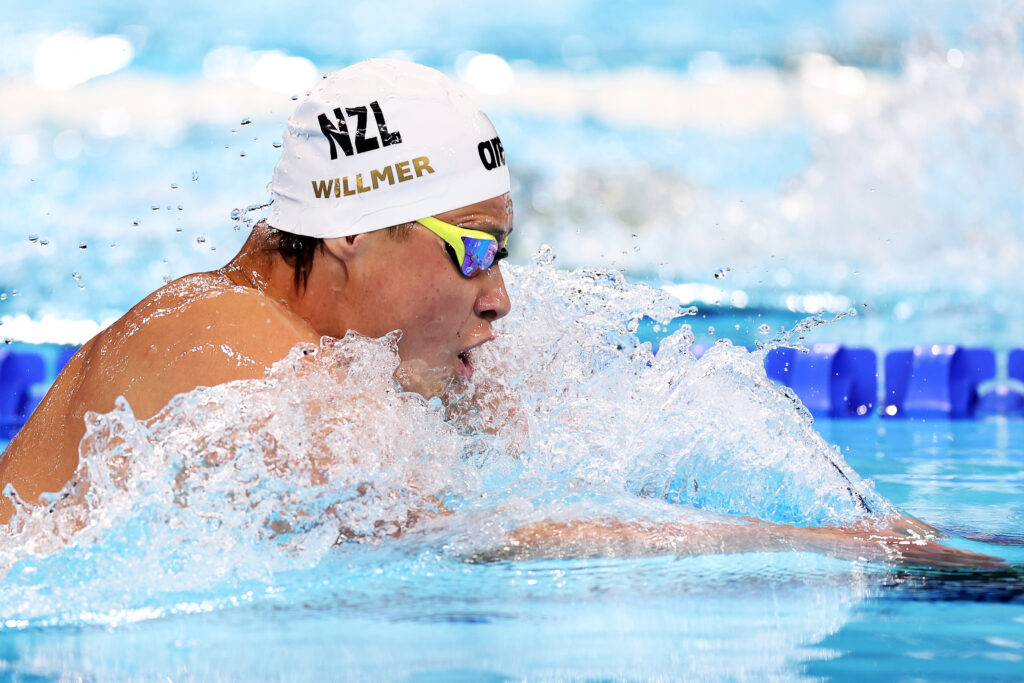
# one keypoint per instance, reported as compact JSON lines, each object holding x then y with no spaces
{"x":298,"y":250}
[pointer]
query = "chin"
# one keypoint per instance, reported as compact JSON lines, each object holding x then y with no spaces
{"x":419,"y":377}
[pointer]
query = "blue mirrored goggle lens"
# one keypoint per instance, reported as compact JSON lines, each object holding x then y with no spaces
{"x":479,"y":255}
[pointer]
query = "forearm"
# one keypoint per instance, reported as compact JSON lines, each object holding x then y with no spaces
{"x":613,"y":538}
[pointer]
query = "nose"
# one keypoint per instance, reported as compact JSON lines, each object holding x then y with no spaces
{"x":492,"y":302}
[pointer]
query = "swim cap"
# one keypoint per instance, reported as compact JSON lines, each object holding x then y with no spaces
{"x":380,"y":143}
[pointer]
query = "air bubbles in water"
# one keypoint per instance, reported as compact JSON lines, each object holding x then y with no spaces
{"x":155,"y":207}
{"x":83,"y":246}
{"x":236,"y":214}
{"x":33,"y":238}
{"x":246,"y":121}
{"x":174,"y":186}
{"x":44,"y":242}
{"x":200,"y":239}
{"x":763,"y":328}
{"x":294,"y":97}
{"x":241,"y":154}
{"x":3,"y":296}
{"x":195,"y":176}
{"x":136,"y":223}
{"x":276,"y":144}
{"x":77,"y":276}
{"x":721,"y":273}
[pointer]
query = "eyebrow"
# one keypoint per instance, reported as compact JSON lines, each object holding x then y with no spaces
{"x":499,"y":233}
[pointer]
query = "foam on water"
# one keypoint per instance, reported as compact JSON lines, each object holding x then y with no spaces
{"x":568,"y":417}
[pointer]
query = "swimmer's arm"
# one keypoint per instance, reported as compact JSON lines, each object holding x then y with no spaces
{"x":613,"y":538}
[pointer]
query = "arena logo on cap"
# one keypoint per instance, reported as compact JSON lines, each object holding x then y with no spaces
{"x":492,"y":154}
{"x":340,"y":136}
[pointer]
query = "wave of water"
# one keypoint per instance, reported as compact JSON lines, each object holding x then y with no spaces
{"x":568,"y":417}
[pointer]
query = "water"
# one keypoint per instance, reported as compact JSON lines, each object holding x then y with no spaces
{"x":761,"y":163}
{"x":219,"y":517}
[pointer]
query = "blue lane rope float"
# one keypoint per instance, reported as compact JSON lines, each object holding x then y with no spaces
{"x":831,"y":380}
{"x":21,"y":373}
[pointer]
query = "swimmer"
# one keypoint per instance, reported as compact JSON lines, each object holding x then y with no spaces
{"x":391,"y":208}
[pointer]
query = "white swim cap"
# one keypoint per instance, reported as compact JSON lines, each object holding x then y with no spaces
{"x":380,"y":143}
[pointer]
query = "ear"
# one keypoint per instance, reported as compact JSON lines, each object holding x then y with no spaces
{"x":345,"y":248}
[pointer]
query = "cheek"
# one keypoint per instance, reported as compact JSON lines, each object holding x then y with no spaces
{"x":426,"y":305}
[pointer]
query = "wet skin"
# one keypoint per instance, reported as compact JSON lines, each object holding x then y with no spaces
{"x":234,"y":323}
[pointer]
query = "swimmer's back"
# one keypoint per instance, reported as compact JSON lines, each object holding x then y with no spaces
{"x":200,"y":330}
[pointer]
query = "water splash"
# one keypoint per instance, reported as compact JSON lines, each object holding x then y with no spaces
{"x":568,"y":416}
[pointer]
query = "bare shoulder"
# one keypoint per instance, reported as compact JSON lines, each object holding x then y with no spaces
{"x":197,"y":331}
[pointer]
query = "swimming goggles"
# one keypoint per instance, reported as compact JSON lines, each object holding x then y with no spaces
{"x":470,"y":250}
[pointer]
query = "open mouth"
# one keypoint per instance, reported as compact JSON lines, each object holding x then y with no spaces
{"x":465,"y":364}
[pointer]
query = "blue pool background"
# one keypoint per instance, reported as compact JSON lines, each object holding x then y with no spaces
{"x":830,"y":155}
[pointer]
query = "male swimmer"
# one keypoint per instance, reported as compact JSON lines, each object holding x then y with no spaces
{"x":390,"y":210}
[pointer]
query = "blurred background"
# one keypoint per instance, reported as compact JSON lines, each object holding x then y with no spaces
{"x":763,"y":161}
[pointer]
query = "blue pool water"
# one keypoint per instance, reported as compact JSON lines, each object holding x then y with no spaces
{"x":761,"y":163}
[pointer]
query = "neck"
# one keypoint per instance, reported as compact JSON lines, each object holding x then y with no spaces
{"x":260,"y":266}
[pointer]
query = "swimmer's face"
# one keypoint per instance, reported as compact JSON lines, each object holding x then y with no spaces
{"x":411,"y":284}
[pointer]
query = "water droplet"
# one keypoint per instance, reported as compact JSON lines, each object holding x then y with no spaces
{"x":8,"y":340}
{"x":33,"y":238}
{"x":236,"y":214}
{"x":234,"y":131}
{"x":174,"y":186}
{"x":200,"y":239}
{"x":113,"y":244}
{"x":155,"y":207}
{"x":276,"y":145}
{"x":136,"y":223}
{"x":164,"y":260}
{"x":168,"y":207}
{"x":294,"y":97}
{"x":3,"y":296}
{"x":83,"y":246}
{"x":711,"y":329}
{"x":77,"y":276}
{"x":764,"y":329}
{"x":246,"y":121}
{"x":241,"y":154}
{"x":720,"y":273}
{"x":736,"y":327}
{"x":44,"y":242}
{"x":81,"y":286}
{"x":180,"y":207}
{"x":167,"y":278}
{"x":195,"y":176}
{"x":178,"y":229}
{"x":15,"y":292}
